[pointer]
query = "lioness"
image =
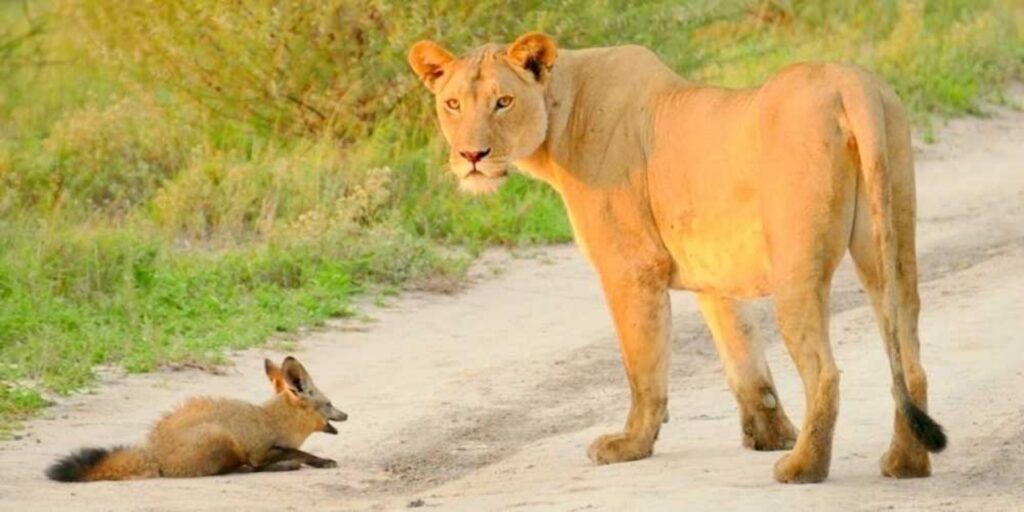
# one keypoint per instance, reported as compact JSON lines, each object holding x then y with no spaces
{"x":733,"y":194}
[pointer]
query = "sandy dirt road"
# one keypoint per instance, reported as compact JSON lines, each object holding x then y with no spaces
{"x":487,"y":400}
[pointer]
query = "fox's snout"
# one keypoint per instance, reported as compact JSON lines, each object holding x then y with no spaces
{"x":333,"y":415}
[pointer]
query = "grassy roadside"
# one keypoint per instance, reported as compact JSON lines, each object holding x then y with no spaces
{"x":170,"y":194}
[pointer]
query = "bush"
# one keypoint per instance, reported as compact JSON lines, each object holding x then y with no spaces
{"x":307,"y":189}
{"x":114,"y":157}
{"x":283,"y":67}
{"x":338,"y":66}
{"x":942,"y":60}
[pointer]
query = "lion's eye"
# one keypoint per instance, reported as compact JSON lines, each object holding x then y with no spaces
{"x":452,"y":104}
{"x":503,"y":102}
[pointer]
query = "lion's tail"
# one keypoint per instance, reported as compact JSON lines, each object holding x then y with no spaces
{"x":866,"y":113}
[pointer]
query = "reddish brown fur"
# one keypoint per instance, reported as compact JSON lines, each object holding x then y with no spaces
{"x":213,"y":436}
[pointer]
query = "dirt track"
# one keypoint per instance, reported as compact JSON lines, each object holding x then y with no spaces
{"x":487,"y":400}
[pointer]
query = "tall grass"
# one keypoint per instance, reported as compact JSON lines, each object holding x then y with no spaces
{"x":90,"y":294}
{"x":178,"y":178}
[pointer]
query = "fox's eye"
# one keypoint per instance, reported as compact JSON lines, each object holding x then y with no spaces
{"x":452,"y":104}
{"x":503,"y":102}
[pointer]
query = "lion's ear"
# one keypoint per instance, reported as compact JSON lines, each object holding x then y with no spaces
{"x":427,"y":59}
{"x":534,"y":52}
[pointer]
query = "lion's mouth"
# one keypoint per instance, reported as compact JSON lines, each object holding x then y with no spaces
{"x":477,"y":173}
{"x":480,"y":183}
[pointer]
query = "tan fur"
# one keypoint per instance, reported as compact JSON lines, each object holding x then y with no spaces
{"x":124,"y":464}
{"x":733,"y":194}
{"x":213,"y":436}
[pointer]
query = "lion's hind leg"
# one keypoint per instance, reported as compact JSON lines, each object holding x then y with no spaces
{"x":883,"y":249}
{"x":809,"y":196}
{"x":803,"y":322}
{"x":906,"y":457}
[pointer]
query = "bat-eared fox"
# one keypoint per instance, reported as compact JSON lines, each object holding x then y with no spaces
{"x":214,"y":436}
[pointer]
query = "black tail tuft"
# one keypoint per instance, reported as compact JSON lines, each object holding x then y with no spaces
{"x":73,"y":468}
{"x":924,"y":428}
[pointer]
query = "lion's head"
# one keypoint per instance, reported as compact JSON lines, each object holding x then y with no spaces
{"x":490,"y":104}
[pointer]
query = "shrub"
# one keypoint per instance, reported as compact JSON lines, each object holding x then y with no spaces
{"x":115,"y":157}
{"x":306,"y":189}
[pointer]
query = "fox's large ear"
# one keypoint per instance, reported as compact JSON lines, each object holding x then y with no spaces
{"x":535,"y":53}
{"x":276,"y":377}
{"x":296,"y":376}
{"x":427,"y":59}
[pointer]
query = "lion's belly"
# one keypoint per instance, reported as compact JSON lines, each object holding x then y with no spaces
{"x":704,"y":186}
{"x":727,"y":258}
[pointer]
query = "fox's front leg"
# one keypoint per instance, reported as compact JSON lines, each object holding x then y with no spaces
{"x":312,"y":460}
{"x":279,"y":458}
{"x":638,"y":297}
{"x":281,"y":465}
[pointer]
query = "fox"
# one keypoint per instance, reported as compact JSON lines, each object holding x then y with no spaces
{"x":216,"y":436}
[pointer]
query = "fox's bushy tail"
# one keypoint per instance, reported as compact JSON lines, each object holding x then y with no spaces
{"x":92,"y":464}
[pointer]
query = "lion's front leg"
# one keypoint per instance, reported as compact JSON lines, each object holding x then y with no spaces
{"x":639,"y":302}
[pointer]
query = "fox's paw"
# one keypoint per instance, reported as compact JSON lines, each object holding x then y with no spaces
{"x":323,"y":463}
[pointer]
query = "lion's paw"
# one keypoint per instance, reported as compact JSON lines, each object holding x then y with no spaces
{"x":902,"y":465}
{"x":768,"y":433}
{"x":612,"y":448}
{"x":794,"y":469}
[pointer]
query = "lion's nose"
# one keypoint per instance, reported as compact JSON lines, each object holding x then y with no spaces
{"x":475,"y":156}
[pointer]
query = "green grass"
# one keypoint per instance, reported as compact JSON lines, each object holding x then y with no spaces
{"x":91,"y":295}
{"x":171,"y":193}
{"x":17,"y":403}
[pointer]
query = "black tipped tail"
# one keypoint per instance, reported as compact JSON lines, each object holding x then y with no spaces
{"x":924,"y":427}
{"x":76,"y":466}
